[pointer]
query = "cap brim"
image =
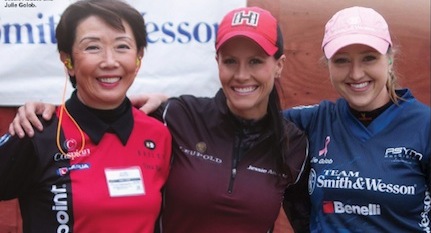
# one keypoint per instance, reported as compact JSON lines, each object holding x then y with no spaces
{"x":336,"y":44}
{"x":266,"y":45}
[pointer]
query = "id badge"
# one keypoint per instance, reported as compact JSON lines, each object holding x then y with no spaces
{"x":125,"y":181}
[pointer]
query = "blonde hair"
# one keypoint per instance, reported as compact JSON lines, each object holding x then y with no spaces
{"x":392,"y":83}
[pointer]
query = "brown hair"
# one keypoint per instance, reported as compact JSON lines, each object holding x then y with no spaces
{"x":111,"y":11}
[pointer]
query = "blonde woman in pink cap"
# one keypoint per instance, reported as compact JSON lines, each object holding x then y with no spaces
{"x":370,"y":150}
{"x":234,"y":155}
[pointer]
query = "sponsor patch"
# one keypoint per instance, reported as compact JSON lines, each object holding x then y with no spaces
{"x":80,"y":166}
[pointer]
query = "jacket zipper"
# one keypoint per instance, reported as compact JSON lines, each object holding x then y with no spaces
{"x":235,"y":161}
{"x":233,"y":174}
{"x":237,"y":154}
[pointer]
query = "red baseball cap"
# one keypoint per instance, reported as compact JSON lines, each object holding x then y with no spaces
{"x":356,"y":25}
{"x":254,"y":23}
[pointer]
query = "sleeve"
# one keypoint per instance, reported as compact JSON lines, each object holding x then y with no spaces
{"x":168,"y":152}
{"x":426,"y":167}
{"x":160,"y":111}
{"x":296,"y":202}
{"x":17,"y":163}
{"x":302,"y":116}
{"x":428,"y":177}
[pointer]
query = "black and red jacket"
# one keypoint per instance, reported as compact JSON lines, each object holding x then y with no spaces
{"x":89,"y":188}
{"x":223,"y":177}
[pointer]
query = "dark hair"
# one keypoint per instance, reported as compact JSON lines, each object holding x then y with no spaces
{"x":279,"y":43}
{"x":110,"y":11}
{"x":276,"y":116}
{"x":279,"y":129}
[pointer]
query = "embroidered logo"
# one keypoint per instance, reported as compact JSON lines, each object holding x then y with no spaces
{"x":70,"y":144}
{"x":201,"y":147}
{"x":324,"y":151}
{"x":403,"y":153}
{"x":338,"y":207}
{"x":322,"y":159}
{"x":149,"y":144}
{"x":251,"y":18}
{"x":80,"y":166}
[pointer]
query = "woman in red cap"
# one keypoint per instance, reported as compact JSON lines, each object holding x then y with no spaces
{"x":234,"y":155}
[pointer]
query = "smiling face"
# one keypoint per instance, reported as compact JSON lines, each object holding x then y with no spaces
{"x":247,"y":76}
{"x":359,"y":74}
{"x":104,"y":63}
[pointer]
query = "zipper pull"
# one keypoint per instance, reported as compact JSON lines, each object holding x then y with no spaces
{"x":233,"y":172}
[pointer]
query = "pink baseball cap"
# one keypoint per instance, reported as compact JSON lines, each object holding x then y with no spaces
{"x":254,"y":23}
{"x":356,"y":25}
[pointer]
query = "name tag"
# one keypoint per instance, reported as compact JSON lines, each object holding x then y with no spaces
{"x":125,"y":181}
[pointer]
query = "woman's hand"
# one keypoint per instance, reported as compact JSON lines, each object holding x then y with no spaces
{"x":26,"y":118}
{"x":148,"y":103}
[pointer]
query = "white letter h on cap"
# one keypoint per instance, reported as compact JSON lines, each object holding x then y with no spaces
{"x":251,"y":18}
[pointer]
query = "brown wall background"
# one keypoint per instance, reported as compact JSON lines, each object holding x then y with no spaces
{"x":305,"y":80}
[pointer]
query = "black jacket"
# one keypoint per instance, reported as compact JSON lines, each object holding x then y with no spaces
{"x":224,"y":173}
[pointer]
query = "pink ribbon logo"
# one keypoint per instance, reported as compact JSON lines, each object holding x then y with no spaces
{"x":324,"y":151}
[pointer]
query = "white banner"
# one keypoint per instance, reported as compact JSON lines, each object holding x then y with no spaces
{"x":179,"y":59}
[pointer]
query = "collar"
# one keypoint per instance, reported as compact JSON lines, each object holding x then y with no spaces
{"x":220,"y":100}
{"x":247,"y":125}
{"x":91,"y":121}
{"x":366,"y":117}
{"x":364,"y":133}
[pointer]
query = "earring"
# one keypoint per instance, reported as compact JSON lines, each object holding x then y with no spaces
{"x":68,"y":63}
{"x":390,"y":61}
{"x":138,"y":61}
